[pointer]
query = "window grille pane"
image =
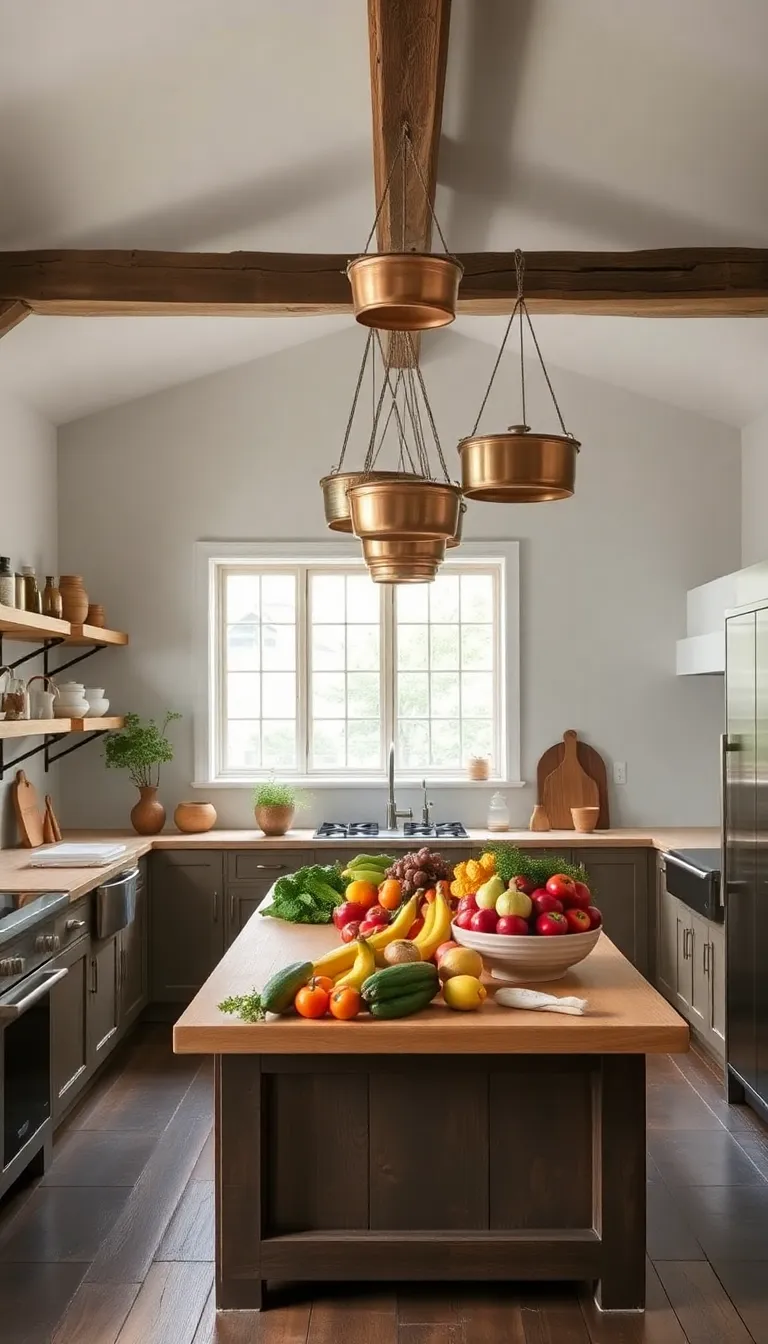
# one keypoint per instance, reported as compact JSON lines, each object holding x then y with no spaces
{"x":345,"y":672}
{"x":259,"y":613}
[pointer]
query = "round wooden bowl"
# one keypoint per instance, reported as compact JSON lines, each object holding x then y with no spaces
{"x":529,"y":959}
{"x":585,"y":818}
{"x":409,"y":508}
{"x":193,"y":818}
{"x":518,"y":467}
{"x":405,"y":291}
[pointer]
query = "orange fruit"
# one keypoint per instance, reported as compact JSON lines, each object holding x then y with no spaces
{"x":345,"y":1003}
{"x":390,"y":894}
{"x":364,"y":894}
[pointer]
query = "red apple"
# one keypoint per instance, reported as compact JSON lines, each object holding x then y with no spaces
{"x":346,"y":912}
{"x":350,"y":931}
{"x":484,"y":921}
{"x":468,"y":902}
{"x":595,"y":918}
{"x":368,"y":927}
{"x":378,"y":915}
{"x":544,"y":901}
{"x":513,"y":924}
{"x":581,"y":898}
{"x":561,"y":886}
{"x":522,"y":884}
{"x":578,"y":921}
{"x":462,"y":921}
{"x":551,"y":923}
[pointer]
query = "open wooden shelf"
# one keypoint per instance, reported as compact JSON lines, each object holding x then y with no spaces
{"x":40,"y":727}
{"x":94,"y":634}
{"x":29,"y":627}
{"x":107,"y":721}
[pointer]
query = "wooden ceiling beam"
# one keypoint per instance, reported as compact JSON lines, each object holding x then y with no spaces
{"x":680,"y":282}
{"x":12,"y":312}
{"x":408,"y":42}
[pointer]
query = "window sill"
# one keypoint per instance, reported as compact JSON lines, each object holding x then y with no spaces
{"x":311,"y":782}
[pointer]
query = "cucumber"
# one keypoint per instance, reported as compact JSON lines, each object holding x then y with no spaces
{"x":279,"y":992}
{"x":403,"y":1005}
{"x":404,"y":979}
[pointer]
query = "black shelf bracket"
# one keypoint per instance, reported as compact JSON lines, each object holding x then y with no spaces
{"x":63,"y":667}
{"x":5,"y":765}
{"x":47,"y":645}
{"x":51,"y":756}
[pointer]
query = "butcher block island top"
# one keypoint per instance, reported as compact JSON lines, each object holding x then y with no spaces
{"x":625,"y":1014}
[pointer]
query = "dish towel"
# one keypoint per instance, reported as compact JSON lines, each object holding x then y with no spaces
{"x":544,"y":1003}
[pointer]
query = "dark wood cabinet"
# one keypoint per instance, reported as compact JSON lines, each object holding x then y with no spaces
{"x":242,"y":902}
{"x":103,"y":1010}
{"x":69,"y":1026}
{"x":620,"y":881}
{"x":134,"y":964}
{"x":186,"y":923}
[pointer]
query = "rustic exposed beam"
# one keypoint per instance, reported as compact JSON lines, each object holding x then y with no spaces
{"x":11,"y":314}
{"x":409,"y":50}
{"x":680,"y":282}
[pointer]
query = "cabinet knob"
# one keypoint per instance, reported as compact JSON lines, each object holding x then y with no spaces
{"x":73,"y":924}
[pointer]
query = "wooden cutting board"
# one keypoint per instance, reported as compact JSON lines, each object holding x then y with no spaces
{"x":567,"y":786}
{"x":28,"y":818}
{"x":589,"y":760}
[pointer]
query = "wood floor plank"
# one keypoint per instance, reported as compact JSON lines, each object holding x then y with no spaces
{"x":746,"y":1283}
{"x":280,"y":1325}
{"x":190,"y":1233}
{"x":127,"y":1252}
{"x":435,"y":1305}
{"x":701,"y":1157}
{"x":669,"y":1234}
{"x":657,"y":1325}
{"x":491,"y":1316}
{"x":351,"y":1321}
{"x":204,"y":1167}
{"x":731,"y":1220}
{"x":96,"y":1313}
{"x":100,"y":1157}
{"x":558,"y":1322}
{"x":34,"y":1298}
{"x":169,"y":1305}
{"x":669,"y":1106}
{"x":145,"y":1093}
{"x":63,"y":1223}
{"x":432,"y":1334}
{"x":701,"y":1304}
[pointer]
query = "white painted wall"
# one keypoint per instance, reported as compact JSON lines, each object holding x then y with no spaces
{"x":754,"y":491}
{"x":603,"y":577}
{"x":28,"y":534}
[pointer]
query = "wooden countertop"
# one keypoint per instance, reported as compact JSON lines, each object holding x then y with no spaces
{"x":16,"y":875}
{"x":625,"y":1016}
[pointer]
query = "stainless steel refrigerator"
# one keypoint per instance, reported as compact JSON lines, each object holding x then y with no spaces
{"x":744,"y":878}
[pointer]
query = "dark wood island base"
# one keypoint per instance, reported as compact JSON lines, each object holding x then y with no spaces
{"x":378,"y":1167}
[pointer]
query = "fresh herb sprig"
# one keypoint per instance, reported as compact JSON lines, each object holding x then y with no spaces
{"x":248,"y":1007}
{"x":514,"y":862}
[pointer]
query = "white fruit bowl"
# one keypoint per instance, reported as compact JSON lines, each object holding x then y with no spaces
{"x":530,"y":958}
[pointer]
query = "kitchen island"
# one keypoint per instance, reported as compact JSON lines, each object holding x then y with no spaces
{"x":492,"y":1145}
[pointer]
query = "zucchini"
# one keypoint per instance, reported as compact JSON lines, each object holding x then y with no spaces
{"x":281,"y":989}
{"x":403,"y":979}
{"x":403,"y":1004}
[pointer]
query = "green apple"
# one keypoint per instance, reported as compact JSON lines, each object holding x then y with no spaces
{"x":489,"y":893}
{"x":514,"y":903}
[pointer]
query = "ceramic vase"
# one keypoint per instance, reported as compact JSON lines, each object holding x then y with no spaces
{"x":148,"y":816}
{"x":194,"y":818}
{"x":74,"y":598}
{"x":274,"y":820}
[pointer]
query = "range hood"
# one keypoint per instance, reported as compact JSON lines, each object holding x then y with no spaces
{"x":702,"y":652}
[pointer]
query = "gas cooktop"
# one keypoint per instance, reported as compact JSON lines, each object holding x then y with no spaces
{"x":346,"y":829}
{"x":353,"y":830}
{"x":439,"y":829}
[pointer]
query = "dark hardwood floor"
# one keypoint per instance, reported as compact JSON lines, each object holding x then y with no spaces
{"x":115,"y":1244}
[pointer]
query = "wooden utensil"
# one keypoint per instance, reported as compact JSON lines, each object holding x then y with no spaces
{"x":55,"y":827}
{"x":568,"y":786}
{"x":589,"y":760}
{"x":27,"y":808}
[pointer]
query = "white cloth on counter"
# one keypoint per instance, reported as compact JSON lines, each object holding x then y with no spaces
{"x":534,"y":999}
{"x":74,"y":855}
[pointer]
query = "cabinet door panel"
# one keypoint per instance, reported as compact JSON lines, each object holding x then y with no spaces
{"x":700,"y":992}
{"x":741,"y":848}
{"x":666,"y":939}
{"x":133,"y":963}
{"x":620,"y":881}
{"x":186,"y":922}
{"x":103,"y":999}
{"x":684,"y":973}
{"x":717,"y":988}
{"x":69,"y":1026}
{"x":242,"y":902}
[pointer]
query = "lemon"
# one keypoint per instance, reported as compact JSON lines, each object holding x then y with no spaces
{"x":464,"y":993}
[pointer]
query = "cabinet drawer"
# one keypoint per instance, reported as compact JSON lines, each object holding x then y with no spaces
{"x":256,"y":865}
{"x":74,"y":922}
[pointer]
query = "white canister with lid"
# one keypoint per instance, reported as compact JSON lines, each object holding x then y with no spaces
{"x":498,"y":813}
{"x":71,"y":702}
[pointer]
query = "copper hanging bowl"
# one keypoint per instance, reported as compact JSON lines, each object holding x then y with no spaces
{"x":404,"y":291}
{"x":455,"y":540}
{"x":335,"y":502}
{"x":410,"y":508}
{"x":403,"y":561}
{"x":518,"y":467}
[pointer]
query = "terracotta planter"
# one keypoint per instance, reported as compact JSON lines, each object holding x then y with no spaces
{"x":194,"y":818}
{"x":274,"y":820}
{"x":74,"y":598}
{"x":148,"y":816}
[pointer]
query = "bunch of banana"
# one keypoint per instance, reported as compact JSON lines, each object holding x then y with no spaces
{"x":342,"y":958}
{"x":436,"y":930}
{"x":364,"y":966}
{"x":368,"y":868}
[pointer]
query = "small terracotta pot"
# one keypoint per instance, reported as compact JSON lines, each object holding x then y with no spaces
{"x":539,"y":819}
{"x":74,"y":598}
{"x":585,"y":818}
{"x":148,"y":816}
{"x":274,"y":820}
{"x":194,"y":818}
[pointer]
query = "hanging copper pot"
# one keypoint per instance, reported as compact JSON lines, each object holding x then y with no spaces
{"x":335,"y":502}
{"x":405,"y":291}
{"x":409,"y":508}
{"x":455,"y":540}
{"x":518,"y":467}
{"x":403,"y":561}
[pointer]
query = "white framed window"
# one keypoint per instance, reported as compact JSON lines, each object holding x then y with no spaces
{"x":311,"y":669}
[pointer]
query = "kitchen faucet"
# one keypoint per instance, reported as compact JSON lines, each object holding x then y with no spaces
{"x":392,"y":812}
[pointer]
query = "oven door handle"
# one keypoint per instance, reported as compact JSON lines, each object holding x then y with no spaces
{"x":10,"y":1010}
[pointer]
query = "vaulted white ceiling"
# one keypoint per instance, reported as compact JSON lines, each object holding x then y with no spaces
{"x":184,"y":124}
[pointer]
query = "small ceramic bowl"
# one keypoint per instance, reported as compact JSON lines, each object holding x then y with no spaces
{"x":97,"y":701}
{"x":530,"y":959}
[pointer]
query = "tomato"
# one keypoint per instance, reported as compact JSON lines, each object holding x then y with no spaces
{"x":390,"y":894}
{"x":312,"y":1001}
{"x":321,"y":981}
{"x":350,"y":931}
{"x":578,"y":920}
{"x":345,"y":1003}
{"x":561,"y":886}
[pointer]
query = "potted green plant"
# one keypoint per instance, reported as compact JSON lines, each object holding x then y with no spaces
{"x":140,"y":748}
{"x":274,"y":805}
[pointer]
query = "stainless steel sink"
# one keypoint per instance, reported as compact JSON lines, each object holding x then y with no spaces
{"x":116,"y":903}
